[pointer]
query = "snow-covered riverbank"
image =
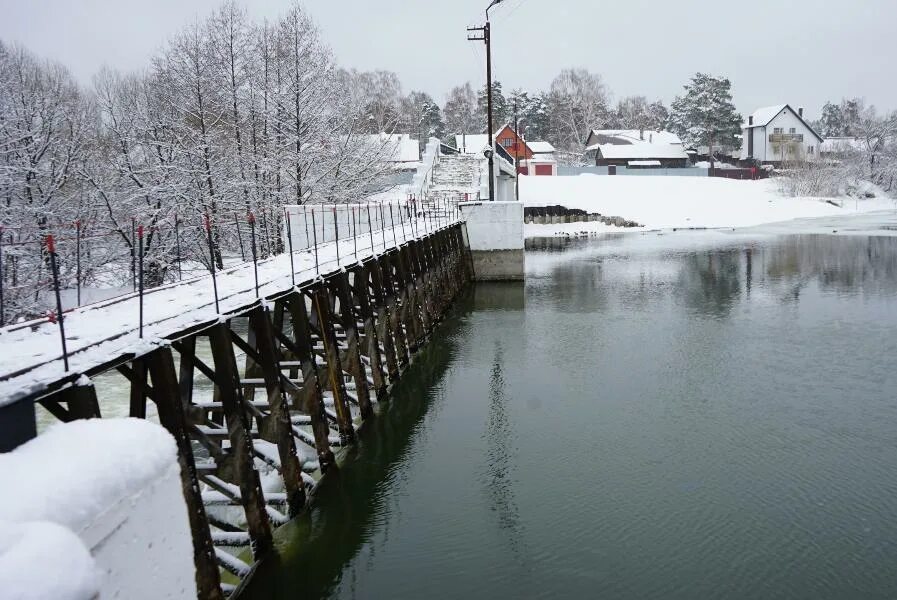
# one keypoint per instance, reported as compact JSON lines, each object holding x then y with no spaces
{"x":679,"y":202}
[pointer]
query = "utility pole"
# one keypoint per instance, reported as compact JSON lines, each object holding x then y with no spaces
{"x":516,"y":155}
{"x":485,"y":37}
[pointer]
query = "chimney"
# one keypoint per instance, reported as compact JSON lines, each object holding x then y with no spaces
{"x":800,"y":112}
{"x":750,"y":120}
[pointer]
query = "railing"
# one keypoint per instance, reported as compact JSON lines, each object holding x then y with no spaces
{"x":786,"y":137}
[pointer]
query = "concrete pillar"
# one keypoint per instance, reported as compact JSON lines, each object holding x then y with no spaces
{"x":494,"y":232}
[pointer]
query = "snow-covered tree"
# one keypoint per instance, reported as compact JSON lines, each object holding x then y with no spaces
{"x":500,"y":109}
{"x":421,"y":117}
{"x":460,"y":111}
{"x":705,"y":114}
{"x":578,"y":102}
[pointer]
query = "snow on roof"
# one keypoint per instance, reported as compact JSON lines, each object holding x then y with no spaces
{"x":540,"y":147}
{"x":471,"y":143}
{"x":762,"y":116}
{"x":634,"y":136}
{"x":642,"y":150}
{"x":399,"y":147}
{"x":644,"y":163}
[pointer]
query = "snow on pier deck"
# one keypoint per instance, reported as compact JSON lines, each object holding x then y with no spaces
{"x":106,"y":333}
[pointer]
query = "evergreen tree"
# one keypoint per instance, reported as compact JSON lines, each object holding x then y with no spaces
{"x":499,"y":108}
{"x":706,"y":114}
{"x":460,"y":111}
{"x":537,"y":121}
{"x":832,"y":122}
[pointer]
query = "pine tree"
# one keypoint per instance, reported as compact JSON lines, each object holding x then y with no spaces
{"x":460,"y":111}
{"x":500,"y":112}
{"x":706,"y":114}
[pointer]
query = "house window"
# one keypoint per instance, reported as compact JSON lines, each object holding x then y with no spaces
{"x":810,"y":150}
{"x":792,"y":130}
{"x":778,"y":130}
{"x":507,"y":142}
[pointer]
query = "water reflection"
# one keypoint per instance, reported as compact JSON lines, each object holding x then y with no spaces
{"x":589,"y":274}
{"x":498,"y":482}
{"x":652,"y":417}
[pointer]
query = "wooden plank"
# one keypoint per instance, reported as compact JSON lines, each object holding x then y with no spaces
{"x":172,"y":418}
{"x":322,"y":302}
{"x":282,"y":428}
{"x":339,"y":288}
{"x":313,"y":402}
{"x":138,"y":389}
{"x":240,"y":467}
{"x":370,"y":346}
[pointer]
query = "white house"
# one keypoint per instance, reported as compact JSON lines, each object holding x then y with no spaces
{"x":777,"y":134}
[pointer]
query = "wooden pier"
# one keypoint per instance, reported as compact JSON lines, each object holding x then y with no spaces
{"x":318,"y":357}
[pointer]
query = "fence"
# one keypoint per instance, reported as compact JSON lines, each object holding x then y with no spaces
{"x":311,"y":224}
{"x":662,"y":172}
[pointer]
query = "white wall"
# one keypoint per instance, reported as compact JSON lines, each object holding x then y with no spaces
{"x":115,"y":484}
{"x":493,"y":225}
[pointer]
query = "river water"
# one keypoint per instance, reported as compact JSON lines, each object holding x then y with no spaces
{"x":649,"y":416}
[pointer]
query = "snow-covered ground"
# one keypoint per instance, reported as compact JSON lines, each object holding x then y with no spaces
{"x":679,"y":202}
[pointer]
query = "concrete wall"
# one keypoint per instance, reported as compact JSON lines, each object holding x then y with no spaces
{"x":494,"y":232}
{"x":115,"y":484}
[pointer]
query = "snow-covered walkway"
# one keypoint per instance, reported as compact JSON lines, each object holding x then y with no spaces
{"x":31,"y":353}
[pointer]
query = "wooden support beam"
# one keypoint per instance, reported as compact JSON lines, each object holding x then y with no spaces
{"x":280,"y":426}
{"x":313,"y":402}
{"x":241,"y":469}
{"x":339,"y":288}
{"x":382,"y":310}
{"x":335,"y":380}
{"x":370,"y":343}
{"x":172,"y":418}
{"x":138,"y":389}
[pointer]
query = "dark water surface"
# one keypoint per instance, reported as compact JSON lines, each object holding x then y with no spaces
{"x":669,"y":417}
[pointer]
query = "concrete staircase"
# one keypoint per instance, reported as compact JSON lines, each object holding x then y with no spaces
{"x":456,"y":178}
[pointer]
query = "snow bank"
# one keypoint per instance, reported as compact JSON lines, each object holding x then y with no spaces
{"x":676,"y":202}
{"x":40,"y":560}
{"x":115,"y":484}
{"x":585,"y":228}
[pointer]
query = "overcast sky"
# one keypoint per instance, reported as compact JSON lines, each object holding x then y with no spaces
{"x":800,"y":52}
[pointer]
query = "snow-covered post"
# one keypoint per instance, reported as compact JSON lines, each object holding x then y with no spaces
{"x":77,"y":260}
{"x":314,"y":233}
{"x":2,"y":311}
{"x":140,"y":276}
{"x":370,"y":228}
{"x":255,"y":264}
{"x":288,"y":218}
{"x":354,"y":233}
{"x":54,"y":266}
{"x":382,"y":226}
{"x":239,"y":236}
{"x":393,"y":223}
{"x":336,"y":233}
{"x":133,"y":253}
{"x":177,"y":242}
{"x":208,"y":225}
